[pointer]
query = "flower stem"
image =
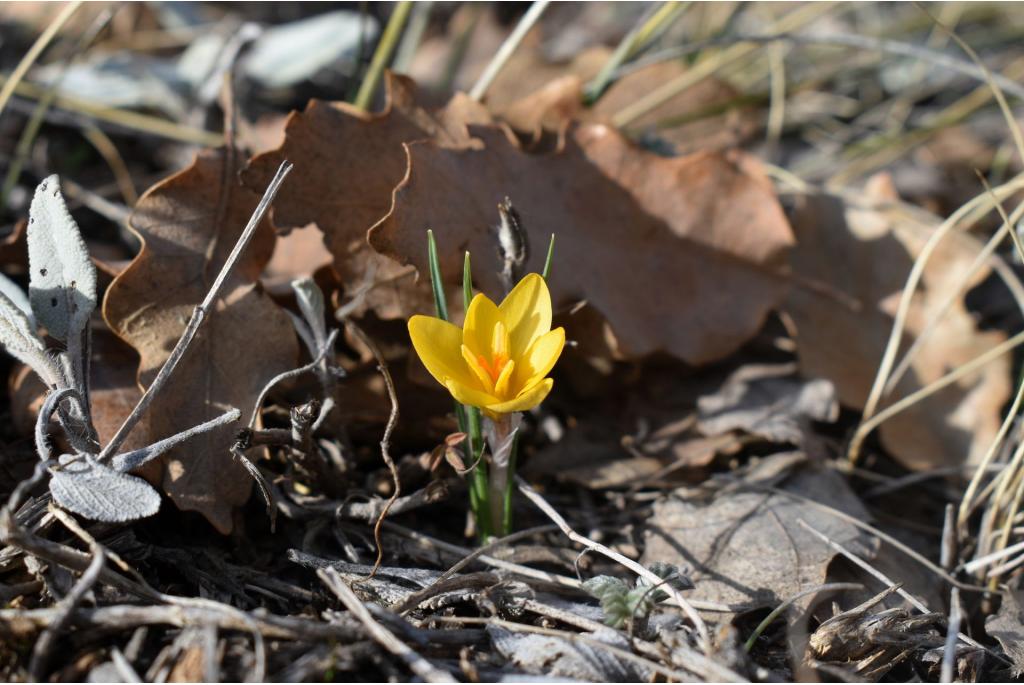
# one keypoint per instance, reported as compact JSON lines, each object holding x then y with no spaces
{"x":501,"y":434}
{"x":479,"y":496}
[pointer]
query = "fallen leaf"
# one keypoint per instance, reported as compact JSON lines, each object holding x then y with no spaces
{"x":14,"y":249}
{"x":545,"y":655}
{"x":632,"y":230}
{"x":859,"y":258}
{"x":347,"y":164}
{"x":298,"y":253}
{"x":612,"y":474}
{"x":768,"y":400}
{"x":697,"y":119}
{"x":1007,"y":627}
{"x":188,"y":224}
{"x":747,"y":547}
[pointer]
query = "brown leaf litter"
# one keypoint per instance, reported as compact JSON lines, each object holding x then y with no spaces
{"x":705,"y":228}
{"x":347,"y":164}
{"x":188,"y":224}
{"x":863,"y":255}
{"x":744,"y":544}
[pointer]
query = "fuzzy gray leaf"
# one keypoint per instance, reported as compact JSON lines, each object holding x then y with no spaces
{"x":101,"y":493}
{"x":311,"y":302}
{"x":129,"y":461}
{"x":16,"y":295}
{"x":19,"y":338}
{"x":62,"y":284}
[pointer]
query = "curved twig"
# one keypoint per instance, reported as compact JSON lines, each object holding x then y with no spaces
{"x":385,"y":441}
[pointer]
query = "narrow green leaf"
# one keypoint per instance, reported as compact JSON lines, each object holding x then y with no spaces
{"x":440,"y":304}
{"x":547,"y":261}
{"x":467,"y":282}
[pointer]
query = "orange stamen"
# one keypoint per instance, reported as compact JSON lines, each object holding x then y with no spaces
{"x":493,"y":368}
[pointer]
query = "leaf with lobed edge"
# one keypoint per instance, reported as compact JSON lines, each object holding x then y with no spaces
{"x":62,"y":282}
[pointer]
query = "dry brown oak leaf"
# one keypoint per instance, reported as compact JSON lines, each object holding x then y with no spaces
{"x":347,"y":163}
{"x":862,"y":255}
{"x":697,"y":119}
{"x":188,"y":224}
{"x":679,"y":254}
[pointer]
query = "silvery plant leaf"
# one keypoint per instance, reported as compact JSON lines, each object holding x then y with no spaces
{"x":129,"y":461}
{"x":18,"y":336}
{"x":18,"y":297}
{"x":62,"y":284}
{"x":291,"y":53}
{"x":311,"y":303}
{"x":100,"y":493}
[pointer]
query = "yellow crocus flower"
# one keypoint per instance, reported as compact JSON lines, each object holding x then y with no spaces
{"x":499,"y":360}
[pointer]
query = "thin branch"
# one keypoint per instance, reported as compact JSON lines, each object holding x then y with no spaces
{"x":705,"y":667}
{"x":536,"y":574}
{"x":949,"y":652}
{"x":67,"y":605}
{"x":198,"y":316}
{"x":129,"y":461}
{"x":327,"y":347}
{"x":384,"y":637}
{"x":415,"y":598}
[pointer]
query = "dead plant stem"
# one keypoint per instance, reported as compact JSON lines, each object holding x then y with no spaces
{"x":198,"y":316}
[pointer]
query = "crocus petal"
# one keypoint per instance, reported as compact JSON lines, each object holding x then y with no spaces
{"x":439,"y":344}
{"x":485,"y":381}
{"x":527,"y":313}
{"x":470,"y":395}
{"x":539,"y":359}
{"x":527,"y":399}
{"x":482,"y":318}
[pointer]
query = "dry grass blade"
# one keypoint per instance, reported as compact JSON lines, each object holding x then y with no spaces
{"x":30,"y":57}
{"x":898,"y":326}
{"x":914,"y":601}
